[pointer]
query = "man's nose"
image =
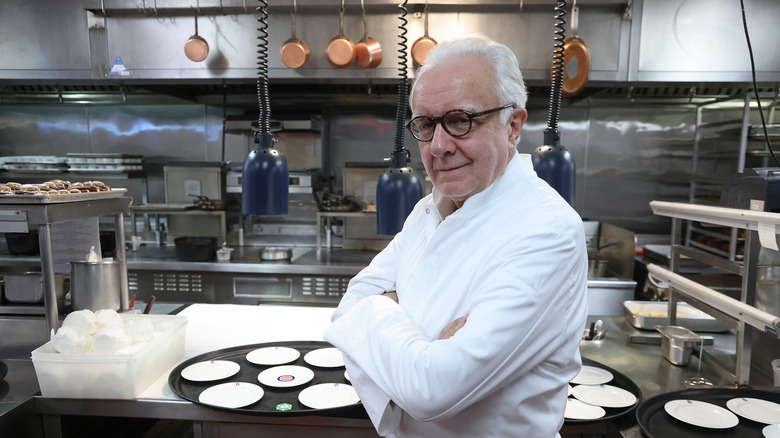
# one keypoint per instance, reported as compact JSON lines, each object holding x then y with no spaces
{"x":442,"y":142}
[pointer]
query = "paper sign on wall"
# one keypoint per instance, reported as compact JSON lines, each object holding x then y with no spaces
{"x":71,"y":240}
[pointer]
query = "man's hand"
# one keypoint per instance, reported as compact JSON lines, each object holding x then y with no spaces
{"x":448,"y":331}
{"x":392,"y":295}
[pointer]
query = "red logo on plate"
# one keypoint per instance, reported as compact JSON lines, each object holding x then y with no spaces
{"x":285,"y":378}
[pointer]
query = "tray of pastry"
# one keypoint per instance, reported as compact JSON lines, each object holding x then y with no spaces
{"x":57,"y":191}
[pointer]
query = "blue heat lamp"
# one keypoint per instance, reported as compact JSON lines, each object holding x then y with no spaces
{"x":553,"y":162}
{"x":398,"y":190}
{"x":399,"y":187}
{"x":265,"y":179}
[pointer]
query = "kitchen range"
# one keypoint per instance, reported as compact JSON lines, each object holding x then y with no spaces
{"x":125,"y":138}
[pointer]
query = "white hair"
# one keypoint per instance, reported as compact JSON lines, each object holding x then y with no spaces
{"x":508,"y":81}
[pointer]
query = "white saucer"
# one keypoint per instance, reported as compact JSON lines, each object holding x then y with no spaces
{"x":756,"y":409}
{"x":771,"y":431}
{"x":328,"y":395}
{"x":325,"y":358}
{"x":577,"y":410}
{"x":231,"y":395}
{"x":701,"y":414}
{"x":273,"y":355}
{"x":346,"y":375}
{"x":210,"y":370}
{"x":589,"y":375}
{"x":285,"y":376}
{"x":604,"y":395}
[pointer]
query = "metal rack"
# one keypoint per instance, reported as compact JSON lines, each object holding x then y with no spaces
{"x":22,"y":216}
{"x":715,"y":158}
{"x":761,"y":228}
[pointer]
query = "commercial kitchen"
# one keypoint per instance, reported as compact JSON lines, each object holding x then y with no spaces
{"x":667,"y":111}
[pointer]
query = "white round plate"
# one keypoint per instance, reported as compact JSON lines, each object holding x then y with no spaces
{"x":328,"y":395}
{"x":771,"y":431}
{"x":756,"y":409}
{"x":567,"y":395}
{"x":346,"y":375}
{"x":273,"y":355}
{"x":210,"y":370}
{"x":589,"y":375}
{"x":325,"y":358}
{"x":285,"y":376}
{"x":701,"y":414}
{"x":604,"y":395}
{"x":231,"y":395}
{"x":577,"y":410}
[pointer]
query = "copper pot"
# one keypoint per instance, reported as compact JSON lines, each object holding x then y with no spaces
{"x":341,"y":50}
{"x":424,"y":44}
{"x":368,"y":51}
{"x":295,"y":52}
{"x":574,"y":48}
{"x":196,"y":48}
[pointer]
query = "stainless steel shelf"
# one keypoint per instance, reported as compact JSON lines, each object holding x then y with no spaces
{"x":15,"y":217}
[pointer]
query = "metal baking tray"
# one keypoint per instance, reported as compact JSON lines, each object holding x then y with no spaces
{"x":43,"y":198}
{"x":272,"y":396}
{"x":655,"y":422}
{"x":646,"y":315}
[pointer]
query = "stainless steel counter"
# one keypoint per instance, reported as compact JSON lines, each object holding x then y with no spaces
{"x":642,"y":363}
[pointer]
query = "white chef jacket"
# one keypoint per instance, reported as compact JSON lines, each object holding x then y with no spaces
{"x":514,"y":258}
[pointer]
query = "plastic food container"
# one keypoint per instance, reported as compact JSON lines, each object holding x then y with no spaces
{"x":677,"y":343}
{"x":111,"y":376}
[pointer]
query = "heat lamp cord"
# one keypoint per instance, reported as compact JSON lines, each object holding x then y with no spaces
{"x":264,"y":119}
{"x":755,"y":84}
{"x":552,"y":137}
{"x":403,"y":80}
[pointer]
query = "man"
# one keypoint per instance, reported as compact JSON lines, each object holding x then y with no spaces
{"x":469,"y":322}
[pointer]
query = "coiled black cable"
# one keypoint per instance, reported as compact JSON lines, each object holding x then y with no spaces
{"x":557,"y":75}
{"x":403,"y":80}
{"x":264,"y":119}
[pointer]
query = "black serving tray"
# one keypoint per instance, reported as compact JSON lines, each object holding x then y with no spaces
{"x":619,"y":380}
{"x":656,"y":423}
{"x":272,"y":396}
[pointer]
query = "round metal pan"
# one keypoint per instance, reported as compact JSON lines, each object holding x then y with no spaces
{"x":368,"y":51}
{"x":424,"y":44}
{"x":341,"y":50}
{"x":575,"y":48}
{"x":272,"y":396}
{"x":196,"y":48}
{"x":655,"y":422}
{"x":294,"y":52}
{"x":619,"y":380}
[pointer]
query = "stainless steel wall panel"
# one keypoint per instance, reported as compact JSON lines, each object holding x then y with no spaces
{"x":43,"y":35}
{"x":43,"y":129}
{"x":704,"y":40}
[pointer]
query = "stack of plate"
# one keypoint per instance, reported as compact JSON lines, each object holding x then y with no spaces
{"x":595,"y":390}
{"x":34,"y":164}
{"x":108,"y":163}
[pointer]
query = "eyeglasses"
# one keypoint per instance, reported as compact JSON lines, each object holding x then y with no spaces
{"x":456,"y":122}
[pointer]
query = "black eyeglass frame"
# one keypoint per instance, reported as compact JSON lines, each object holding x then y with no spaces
{"x":440,"y":120}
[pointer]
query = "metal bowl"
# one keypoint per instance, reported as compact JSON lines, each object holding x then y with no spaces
{"x":275,"y":253}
